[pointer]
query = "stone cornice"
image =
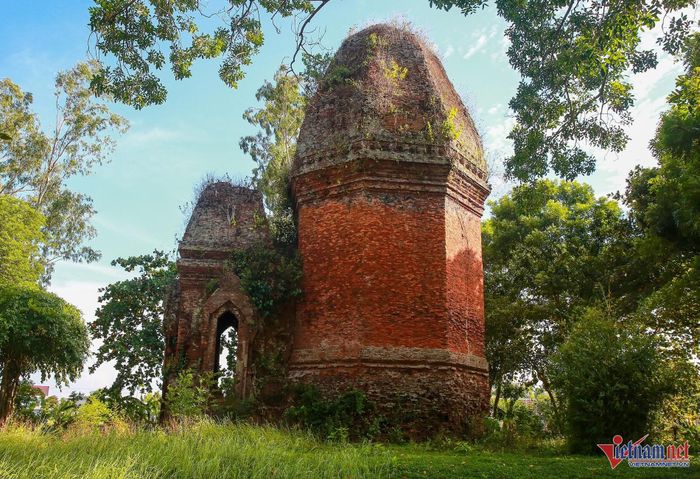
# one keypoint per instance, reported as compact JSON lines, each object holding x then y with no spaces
{"x":393,"y":357}
{"x":391,"y":176}
{"x":383,"y":149}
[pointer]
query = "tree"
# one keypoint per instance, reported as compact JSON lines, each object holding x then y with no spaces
{"x":38,"y":332}
{"x":574,"y":58}
{"x":129,"y":322}
{"x":612,"y":377}
{"x":273,"y":147}
{"x":20,"y":240}
{"x":133,"y":31}
{"x":34,"y":166}
{"x":550,"y":251}
{"x":665,"y":205}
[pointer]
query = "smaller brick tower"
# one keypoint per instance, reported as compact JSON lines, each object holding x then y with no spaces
{"x":208,"y":297}
{"x":389,"y":183}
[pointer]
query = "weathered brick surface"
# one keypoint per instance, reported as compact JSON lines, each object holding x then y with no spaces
{"x":389,"y":200}
{"x":389,"y":186}
{"x":225,"y":218}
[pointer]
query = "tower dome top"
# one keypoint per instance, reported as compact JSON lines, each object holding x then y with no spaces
{"x":386,"y":95}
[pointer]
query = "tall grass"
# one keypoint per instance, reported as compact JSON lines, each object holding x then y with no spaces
{"x":201,"y":450}
{"x":224,"y":450}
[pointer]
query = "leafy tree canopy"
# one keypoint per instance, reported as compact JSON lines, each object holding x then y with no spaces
{"x":612,"y":377}
{"x":35,"y":166}
{"x":549,"y":253}
{"x":20,"y":240}
{"x":665,"y":203}
{"x":129,"y":321}
{"x":38,"y":332}
{"x":574,"y":57}
{"x":273,"y":147}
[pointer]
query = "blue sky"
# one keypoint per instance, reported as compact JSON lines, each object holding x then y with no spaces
{"x":171,"y":147}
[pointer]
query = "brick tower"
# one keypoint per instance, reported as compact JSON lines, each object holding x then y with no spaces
{"x":389,"y":183}
{"x":208,"y":298}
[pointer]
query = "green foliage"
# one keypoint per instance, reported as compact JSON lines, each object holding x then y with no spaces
{"x":198,"y":449}
{"x":143,"y":411}
{"x":574,"y":58}
{"x":129,"y":321}
{"x":135,"y":31}
{"x":551,"y":249}
{"x":269,"y":275}
{"x":189,"y":395}
{"x":57,"y":415}
{"x":20,"y":239}
{"x":612,"y":377}
{"x":665,"y":206}
{"x":226,"y":376}
{"x":94,"y":414}
{"x":449,"y":129}
{"x":678,"y":418}
{"x":27,"y":400}
{"x":273,"y":147}
{"x":348,"y":416}
{"x":39,"y":332}
{"x":337,"y":74}
{"x":211,"y":450}
{"x":35,"y":166}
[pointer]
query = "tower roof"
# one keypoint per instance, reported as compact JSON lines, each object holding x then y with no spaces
{"x":224,"y":217}
{"x":386,"y":95}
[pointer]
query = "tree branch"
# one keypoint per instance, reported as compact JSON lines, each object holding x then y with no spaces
{"x":300,"y":34}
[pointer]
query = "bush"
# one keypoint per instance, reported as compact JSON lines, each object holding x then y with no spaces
{"x":269,"y":274}
{"x":188,"y":396}
{"x":611,"y":378}
{"x":142,"y":411}
{"x":348,"y":416}
{"x":95,"y":415}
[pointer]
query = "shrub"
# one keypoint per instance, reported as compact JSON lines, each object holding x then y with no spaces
{"x":269,"y":275}
{"x":142,"y":411}
{"x":94,"y":414}
{"x":188,"y":396}
{"x":611,"y":377}
{"x":348,"y":416}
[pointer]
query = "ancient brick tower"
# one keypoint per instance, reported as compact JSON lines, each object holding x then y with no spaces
{"x":208,"y":297}
{"x":389,"y":183}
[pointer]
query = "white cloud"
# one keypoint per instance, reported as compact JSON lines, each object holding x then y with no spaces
{"x":495,"y":109}
{"x":480,"y":38}
{"x":495,"y":136}
{"x":500,"y":54}
{"x":474,"y":49}
{"x":156,"y":134}
{"x":448,"y":51}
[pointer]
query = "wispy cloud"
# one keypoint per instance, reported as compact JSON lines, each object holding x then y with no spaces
{"x":449,"y":50}
{"x":152,"y":135}
{"x":495,"y":109}
{"x":480,"y":38}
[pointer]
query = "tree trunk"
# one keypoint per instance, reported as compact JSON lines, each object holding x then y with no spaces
{"x":548,"y":388}
{"x":498,"y":398}
{"x":8,"y":389}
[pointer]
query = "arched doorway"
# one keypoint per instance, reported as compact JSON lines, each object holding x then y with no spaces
{"x":226,"y":352}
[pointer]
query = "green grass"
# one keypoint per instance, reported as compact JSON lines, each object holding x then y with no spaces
{"x":209,"y":450}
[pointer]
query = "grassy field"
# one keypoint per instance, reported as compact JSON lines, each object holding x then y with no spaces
{"x":210,"y":450}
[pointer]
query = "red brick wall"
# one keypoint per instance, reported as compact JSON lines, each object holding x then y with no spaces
{"x":465,"y":280}
{"x":374,"y":272}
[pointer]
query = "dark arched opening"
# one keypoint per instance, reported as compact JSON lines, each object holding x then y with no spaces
{"x":226,"y":349}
